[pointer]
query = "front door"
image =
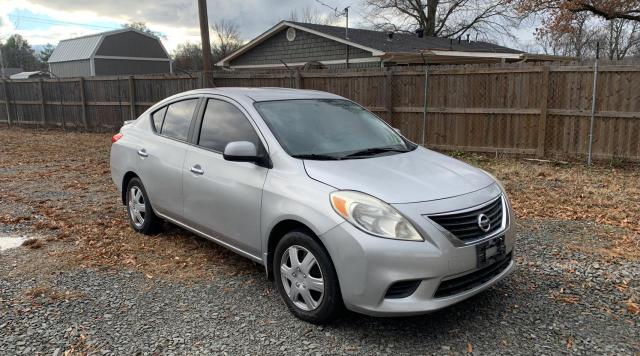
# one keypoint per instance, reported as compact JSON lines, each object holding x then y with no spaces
{"x":223,"y":198}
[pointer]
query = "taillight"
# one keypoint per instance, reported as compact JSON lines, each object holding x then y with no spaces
{"x":116,"y":137}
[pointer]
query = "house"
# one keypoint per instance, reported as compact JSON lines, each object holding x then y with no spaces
{"x":304,"y":44}
{"x":120,"y":52}
{"x":6,"y":73}
{"x":29,"y":75}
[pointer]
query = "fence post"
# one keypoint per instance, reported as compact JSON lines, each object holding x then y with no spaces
{"x":83,"y":100}
{"x":544,"y":106}
{"x":388,"y":95}
{"x":61,"y":95}
{"x":6,"y":102}
{"x":299,"y":84}
{"x":425,"y":105}
{"x":132,"y":97}
{"x":593,"y":104}
{"x":43,"y":111}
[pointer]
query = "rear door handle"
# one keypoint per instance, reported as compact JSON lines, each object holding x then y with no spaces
{"x":196,"y":169}
{"x":143,"y":153}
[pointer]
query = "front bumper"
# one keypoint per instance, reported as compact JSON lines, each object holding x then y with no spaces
{"x":367,"y":266}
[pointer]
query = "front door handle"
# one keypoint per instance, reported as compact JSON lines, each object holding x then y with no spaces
{"x":196,"y":169}
{"x":143,"y":153}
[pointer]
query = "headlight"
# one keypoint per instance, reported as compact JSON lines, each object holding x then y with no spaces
{"x":373,"y":216}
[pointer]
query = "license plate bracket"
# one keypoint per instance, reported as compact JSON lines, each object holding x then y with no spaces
{"x":490,"y":251}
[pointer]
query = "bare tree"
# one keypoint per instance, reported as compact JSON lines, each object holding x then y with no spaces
{"x":310,"y":15}
{"x":444,"y":18}
{"x":618,"y":38}
{"x":141,"y":26}
{"x":188,"y":56}
{"x":560,"y":13}
{"x":622,"y":37}
{"x":226,"y":39}
{"x":577,"y":40}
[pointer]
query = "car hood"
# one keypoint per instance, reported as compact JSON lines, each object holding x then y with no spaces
{"x":416,"y":176}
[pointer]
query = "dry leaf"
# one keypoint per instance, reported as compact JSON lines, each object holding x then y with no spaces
{"x":469,"y":347}
{"x":570,"y":342}
{"x":632,"y":307}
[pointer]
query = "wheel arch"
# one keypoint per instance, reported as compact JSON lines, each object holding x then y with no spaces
{"x":278,"y":231}
{"x":125,"y":181}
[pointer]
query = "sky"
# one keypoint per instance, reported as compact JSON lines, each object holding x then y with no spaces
{"x":49,"y":21}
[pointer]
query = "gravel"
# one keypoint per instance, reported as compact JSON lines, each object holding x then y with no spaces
{"x":559,"y":301}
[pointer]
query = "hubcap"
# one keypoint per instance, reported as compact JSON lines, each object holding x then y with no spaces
{"x":136,"y":206}
{"x":302,"y":277}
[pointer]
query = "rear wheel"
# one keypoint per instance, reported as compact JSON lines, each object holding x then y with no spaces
{"x":306,"y":278}
{"x":141,"y":216}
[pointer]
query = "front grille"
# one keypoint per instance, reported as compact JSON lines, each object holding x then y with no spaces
{"x":472,"y":280}
{"x":465,"y":225}
{"x":402,"y":289}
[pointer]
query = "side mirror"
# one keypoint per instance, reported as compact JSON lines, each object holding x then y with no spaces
{"x":241,"y":151}
{"x":245,"y":151}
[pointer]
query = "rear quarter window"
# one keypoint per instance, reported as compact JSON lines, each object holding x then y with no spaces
{"x":157,"y":118}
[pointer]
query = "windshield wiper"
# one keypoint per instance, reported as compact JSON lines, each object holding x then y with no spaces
{"x":375,"y":150}
{"x":318,"y":157}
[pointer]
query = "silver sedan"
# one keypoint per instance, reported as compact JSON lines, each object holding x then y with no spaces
{"x":341,"y":209}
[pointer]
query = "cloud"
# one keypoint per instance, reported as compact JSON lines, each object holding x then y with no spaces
{"x":252,"y":16}
{"x":177,"y":19}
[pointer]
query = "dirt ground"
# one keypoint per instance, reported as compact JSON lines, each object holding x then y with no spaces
{"x":57,"y":186}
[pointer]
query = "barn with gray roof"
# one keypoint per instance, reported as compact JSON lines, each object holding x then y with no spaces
{"x":120,"y":52}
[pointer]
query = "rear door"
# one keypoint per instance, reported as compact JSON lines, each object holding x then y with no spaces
{"x":162,"y":156}
{"x":223,"y":198}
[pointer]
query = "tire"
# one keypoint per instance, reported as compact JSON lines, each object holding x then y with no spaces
{"x":141,"y":216}
{"x":300,"y":279}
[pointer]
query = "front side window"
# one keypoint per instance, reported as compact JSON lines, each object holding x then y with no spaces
{"x":223,"y":123}
{"x":329,"y":129}
{"x":178,"y":118}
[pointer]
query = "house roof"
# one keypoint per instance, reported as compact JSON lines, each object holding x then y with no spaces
{"x":379,"y":44}
{"x":405,"y":42}
{"x":26,"y":75}
{"x":84,"y":47}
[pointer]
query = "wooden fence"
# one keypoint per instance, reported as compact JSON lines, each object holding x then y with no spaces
{"x":534,"y":110}
{"x":91,"y":104}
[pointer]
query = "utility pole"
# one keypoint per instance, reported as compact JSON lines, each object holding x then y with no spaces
{"x":206,"y":45}
{"x":344,"y":13}
{"x":346,"y":27}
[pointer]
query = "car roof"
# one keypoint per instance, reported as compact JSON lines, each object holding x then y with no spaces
{"x":266,"y":94}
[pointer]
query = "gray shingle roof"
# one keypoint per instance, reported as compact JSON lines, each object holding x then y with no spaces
{"x":404,"y":42}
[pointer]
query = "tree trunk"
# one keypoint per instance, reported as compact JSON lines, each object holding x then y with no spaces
{"x":432,"y":16}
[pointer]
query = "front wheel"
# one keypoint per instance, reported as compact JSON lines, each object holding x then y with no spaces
{"x":306,"y":279}
{"x":141,"y":216}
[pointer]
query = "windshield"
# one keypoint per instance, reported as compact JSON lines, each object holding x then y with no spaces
{"x":329,"y":129}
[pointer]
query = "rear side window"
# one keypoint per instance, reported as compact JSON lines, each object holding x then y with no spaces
{"x":223,"y":123}
{"x":157,"y":118}
{"x":178,"y":118}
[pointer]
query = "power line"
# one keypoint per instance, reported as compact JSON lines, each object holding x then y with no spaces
{"x":57,"y":22}
{"x":337,"y":12}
